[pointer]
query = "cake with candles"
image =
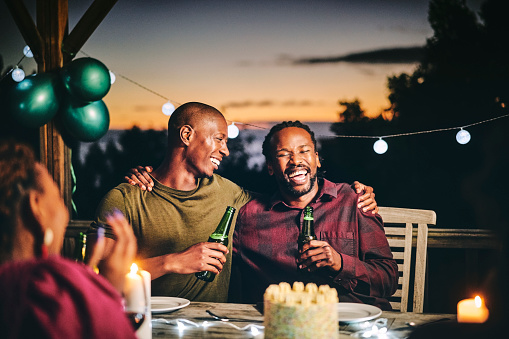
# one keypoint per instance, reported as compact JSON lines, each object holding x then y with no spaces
{"x":300,"y":312}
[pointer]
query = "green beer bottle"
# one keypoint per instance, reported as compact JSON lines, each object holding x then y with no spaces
{"x":220,"y":235}
{"x":308,"y":231}
{"x":80,"y":247}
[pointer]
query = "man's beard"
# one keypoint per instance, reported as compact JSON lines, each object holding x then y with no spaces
{"x":289,"y":189}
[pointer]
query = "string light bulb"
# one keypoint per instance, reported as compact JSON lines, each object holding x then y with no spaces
{"x":28,"y":52}
{"x":168,"y":108}
{"x":380,"y":146}
{"x":463,"y":136}
{"x":233,"y":131}
{"x":18,"y":74}
{"x":112,"y":78}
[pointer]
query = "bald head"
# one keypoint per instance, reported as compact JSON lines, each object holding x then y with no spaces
{"x":197,"y":137}
{"x":192,"y":114}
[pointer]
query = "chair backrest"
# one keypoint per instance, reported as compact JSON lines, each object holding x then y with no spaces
{"x":399,"y":229}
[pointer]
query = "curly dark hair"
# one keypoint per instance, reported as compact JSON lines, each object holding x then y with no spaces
{"x":17,"y":178}
{"x":281,"y":126}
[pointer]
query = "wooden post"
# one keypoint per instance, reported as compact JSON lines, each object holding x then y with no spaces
{"x":52,"y":21}
{"x":46,"y":41}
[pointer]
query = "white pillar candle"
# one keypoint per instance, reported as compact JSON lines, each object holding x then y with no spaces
{"x":472,"y":311}
{"x":145,"y":330}
{"x":134,"y":294}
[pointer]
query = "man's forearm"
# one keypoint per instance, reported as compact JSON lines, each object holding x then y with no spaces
{"x":156,"y":266}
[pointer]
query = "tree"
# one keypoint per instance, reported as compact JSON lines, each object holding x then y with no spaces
{"x":464,"y":74}
{"x":462,"y":79}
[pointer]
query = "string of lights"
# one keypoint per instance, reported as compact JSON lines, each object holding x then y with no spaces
{"x":168,"y":107}
{"x":380,"y":146}
{"x":462,"y":137}
{"x":367,"y":329}
{"x":183,"y":324}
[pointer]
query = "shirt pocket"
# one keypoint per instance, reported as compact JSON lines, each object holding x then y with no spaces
{"x":342,"y":242}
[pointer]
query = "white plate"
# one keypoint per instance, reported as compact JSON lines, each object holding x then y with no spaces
{"x":167,"y":304}
{"x":354,"y":312}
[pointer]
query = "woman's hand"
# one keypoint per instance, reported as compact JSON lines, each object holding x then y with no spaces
{"x":117,"y":264}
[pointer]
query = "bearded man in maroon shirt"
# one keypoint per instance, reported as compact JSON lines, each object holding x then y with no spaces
{"x":351,"y":254}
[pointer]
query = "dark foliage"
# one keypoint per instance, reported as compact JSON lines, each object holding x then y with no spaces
{"x":104,"y":168}
{"x":463,"y":79}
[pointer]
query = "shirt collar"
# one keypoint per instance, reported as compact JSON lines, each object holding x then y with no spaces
{"x":325,"y":188}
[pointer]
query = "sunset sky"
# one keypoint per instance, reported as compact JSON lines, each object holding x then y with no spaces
{"x":250,"y":59}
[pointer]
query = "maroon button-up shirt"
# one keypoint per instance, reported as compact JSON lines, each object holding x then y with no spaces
{"x":265,"y":247}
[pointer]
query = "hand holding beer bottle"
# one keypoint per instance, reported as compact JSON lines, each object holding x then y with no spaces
{"x":314,"y":253}
{"x":307,"y":233}
{"x":220,"y":235}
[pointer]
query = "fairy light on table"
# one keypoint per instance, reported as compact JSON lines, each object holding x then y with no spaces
{"x":184,"y":324}
{"x":376,"y":329}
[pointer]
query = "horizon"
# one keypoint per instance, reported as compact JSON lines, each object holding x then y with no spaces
{"x":254,"y":61}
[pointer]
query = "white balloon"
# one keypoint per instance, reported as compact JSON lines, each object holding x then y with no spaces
{"x":233,"y":131}
{"x":380,"y":146}
{"x":462,"y":137}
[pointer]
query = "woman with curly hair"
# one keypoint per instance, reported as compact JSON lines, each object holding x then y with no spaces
{"x":43,"y":295}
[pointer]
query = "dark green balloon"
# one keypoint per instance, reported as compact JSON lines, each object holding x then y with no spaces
{"x":87,"y":79}
{"x":33,"y":102}
{"x":85,"y":122}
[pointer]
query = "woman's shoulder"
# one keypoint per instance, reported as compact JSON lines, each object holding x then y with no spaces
{"x":55,"y":271}
{"x":61,"y":289}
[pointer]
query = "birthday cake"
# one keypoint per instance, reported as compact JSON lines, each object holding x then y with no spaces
{"x":300,"y":312}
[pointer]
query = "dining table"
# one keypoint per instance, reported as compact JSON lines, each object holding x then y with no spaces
{"x":246,"y":321}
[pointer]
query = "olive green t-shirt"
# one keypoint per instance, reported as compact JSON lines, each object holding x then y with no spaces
{"x":166,"y":220}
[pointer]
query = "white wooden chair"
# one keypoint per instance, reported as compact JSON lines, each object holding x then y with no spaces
{"x":398,"y":224}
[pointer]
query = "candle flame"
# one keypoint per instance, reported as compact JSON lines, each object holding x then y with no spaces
{"x":478,"y":301}
{"x":134,"y":268}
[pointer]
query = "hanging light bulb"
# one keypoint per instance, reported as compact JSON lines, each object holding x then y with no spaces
{"x":168,"y":108}
{"x":380,"y":146}
{"x":18,"y":74}
{"x":28,"y":52}
{"x":233,"y":131}
{"x":462,"y":137}
{"x":112,"y":78}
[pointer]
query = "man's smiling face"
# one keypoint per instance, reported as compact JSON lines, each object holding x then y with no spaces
{"x":208,"y":146}
{"x":293,"y":161}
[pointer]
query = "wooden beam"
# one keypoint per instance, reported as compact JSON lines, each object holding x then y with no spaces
{"x":85,"y":27}
{"x":46,"y":41}
{"x":458,"y":238}
{"x":52,"y":21}
{"x":27,"y":28}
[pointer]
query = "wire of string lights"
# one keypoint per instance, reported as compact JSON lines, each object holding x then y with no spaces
{"x":380,"y":146}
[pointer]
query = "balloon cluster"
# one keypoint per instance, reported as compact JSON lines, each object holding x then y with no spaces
{"x":73,"y":96}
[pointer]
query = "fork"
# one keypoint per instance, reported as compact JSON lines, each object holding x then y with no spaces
{"x":226,"y":319}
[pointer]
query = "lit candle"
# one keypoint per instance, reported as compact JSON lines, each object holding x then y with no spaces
{"x":145,"y":330}
{"x":472,"y":311}
{"x":134,"y":294}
